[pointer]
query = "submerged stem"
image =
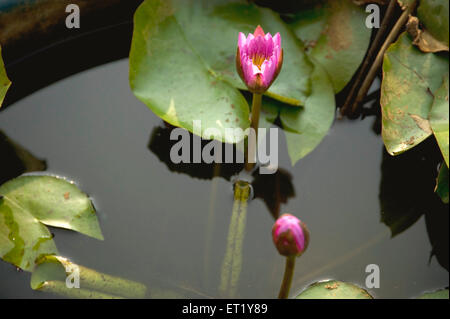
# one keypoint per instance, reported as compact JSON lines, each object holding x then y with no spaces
{"x":252,"y":142}
{"x":287,"y":279}
{"x":232,"y":263}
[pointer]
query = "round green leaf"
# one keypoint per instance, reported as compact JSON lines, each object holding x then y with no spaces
{"x":439,"y":118}
{"x":22,"y":237}
{"x":337,"y":37}
{"x":333,"y":289}
{"x":4,"y":81}
{"x":440,"y":294}
{"x":409,"y":78}
{"x":307,"y":126}
{"x":172,"y":79}
{"x":434,"y":15}
{"x":29,"y":202}
{"x":52,"y":201}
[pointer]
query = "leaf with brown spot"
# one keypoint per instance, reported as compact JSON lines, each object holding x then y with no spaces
{"x":337,"y":37}
{"x":409,"y":76}
{"x":28,"y":204}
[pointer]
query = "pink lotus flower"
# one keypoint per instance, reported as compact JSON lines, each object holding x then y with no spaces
{"x":290,"y":235}
{"x":259,"y":59}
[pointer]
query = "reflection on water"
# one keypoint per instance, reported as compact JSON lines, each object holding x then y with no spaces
{"x":15,"y":160}
{"x":274,"y":189}
{"x":169,"y":231}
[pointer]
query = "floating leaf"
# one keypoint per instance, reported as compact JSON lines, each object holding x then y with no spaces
{"x":442,"y":183}
{"x":439,"y":118}
{"x":28,"y":203}
{"x":434,"y":15}
{"x":22,"y":237}
{"x":332,"y":289}
{"x":184,"y":76}
{"x":54,"y":202}
{"x":172,"y":79}
{"x":338,"y":37}
{"x":440,"y":294}
{"x":409,"y":77}
{"x":51,"y":273}
{"x":306,"y":127}
{"x":4,"y":81}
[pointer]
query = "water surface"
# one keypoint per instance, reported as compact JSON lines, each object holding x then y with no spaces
{"x":91,"y":129}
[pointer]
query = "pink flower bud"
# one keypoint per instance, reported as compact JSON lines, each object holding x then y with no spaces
{"x":290,"y":235}
{"x":259,"y":59}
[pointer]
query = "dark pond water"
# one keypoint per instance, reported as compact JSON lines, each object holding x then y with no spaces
{"x":168,"y":230}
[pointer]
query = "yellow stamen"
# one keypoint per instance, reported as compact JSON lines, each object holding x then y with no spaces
{"x":258,"y":60}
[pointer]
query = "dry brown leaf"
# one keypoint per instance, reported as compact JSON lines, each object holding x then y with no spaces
{"x":422,"y":38}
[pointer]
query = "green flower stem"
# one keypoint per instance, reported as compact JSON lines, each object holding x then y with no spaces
{"x":287,"y":279}
{"x":232,"y":263}
{"x":256,"y":108}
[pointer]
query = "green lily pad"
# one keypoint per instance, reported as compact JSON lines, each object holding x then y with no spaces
{"x":434,"y":15}
{"x":409,"y":77}
{"x":333,"y":289}
{"x":52,"y":272}
{"x":439,"y":118}
{"x":306,"y":127}
{"x":4,"y":81}
{"x":336,"y":34}
{"x":28,"y":203}
{"x":442,"y":184}
{"x":440,"y":294}
{"x":168,"y":75}
{"x":22,"y":237}
{"x":183,"y":75}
